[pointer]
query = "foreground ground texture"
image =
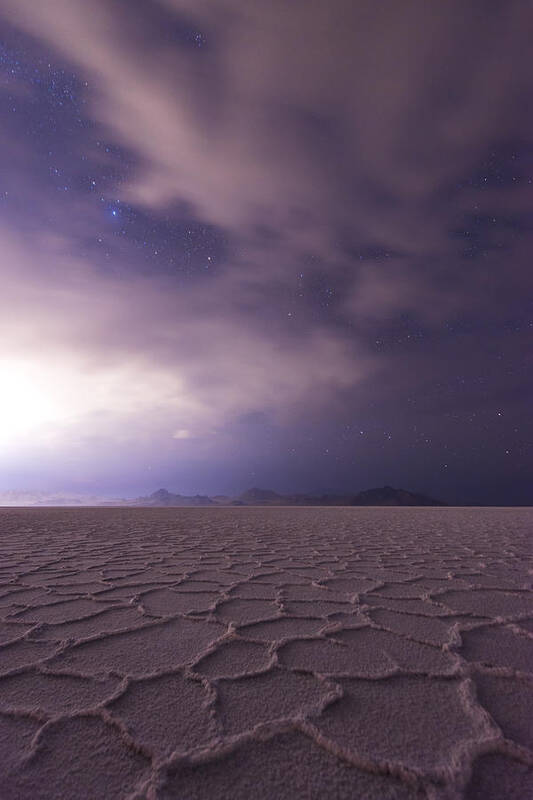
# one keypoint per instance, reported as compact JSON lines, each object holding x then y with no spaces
{"x":266,"y":653}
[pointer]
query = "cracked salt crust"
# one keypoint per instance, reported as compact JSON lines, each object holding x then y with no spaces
{"x":380,"y":654}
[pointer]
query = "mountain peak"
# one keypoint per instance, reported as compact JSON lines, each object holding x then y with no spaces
{"x":161,"y":494}
{"x":388,"y":496}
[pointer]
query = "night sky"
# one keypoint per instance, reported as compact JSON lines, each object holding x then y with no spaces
{"x":282,"y":244}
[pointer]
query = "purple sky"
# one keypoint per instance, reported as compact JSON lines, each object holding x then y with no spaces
{"x":284,"y":244}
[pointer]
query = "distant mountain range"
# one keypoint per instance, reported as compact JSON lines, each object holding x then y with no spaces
{"x":165,"y":498}
{"x":384,"y":496}
{"x":162,"y":498}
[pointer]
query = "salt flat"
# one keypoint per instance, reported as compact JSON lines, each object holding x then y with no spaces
{"x":232,"y":653}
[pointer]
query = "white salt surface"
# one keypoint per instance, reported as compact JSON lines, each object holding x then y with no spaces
{"x":283,"y":653}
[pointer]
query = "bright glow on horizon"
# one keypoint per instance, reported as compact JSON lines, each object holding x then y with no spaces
{"x":43,"y":403}
{"x":30,"y":403}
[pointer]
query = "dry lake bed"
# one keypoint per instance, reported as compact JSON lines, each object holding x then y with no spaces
{"x":266,"y":653}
